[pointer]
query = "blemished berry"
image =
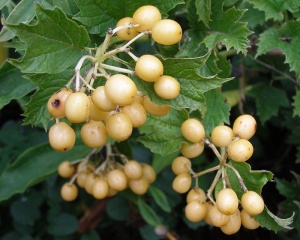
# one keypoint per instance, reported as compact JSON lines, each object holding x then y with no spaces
{"x":56,"y":103}
{"x":240,"y":150}
{"x":244,"y":126}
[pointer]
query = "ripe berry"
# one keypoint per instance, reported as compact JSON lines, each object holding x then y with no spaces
{"x":182,"y":183}
{"x":227,"y":201}
{"x":148,"y":173}
{"x":100,"y":188}
{"x":119,"y":126}
{"x":77,"y":107}
{"x":155,"y":109}
{"x":95,"y":113}
{"x":137,"y":114}
{"x":120,"y":89}
{"x":101,"y":100}
{"x":217,"y":218}
{"x":252,"y":203}
{"x":69,"y":192}
{"x":233,"y":225}
{"x":133,"y":170}
{"x":166,"y":32}
{"x":179,"y":165}
{"x":94,"y":134}
{"x":193,"y":130}
{"x":146,"y":16}
{"x":195,"y":211}
{"x":56,"y":103}
{"x":117,"y":179}
{"x":149,"y":68}
{"x":247,"y":221}
{"x":222,"y":136}
{"x":61,"y":137}
{"x":196,"y":195}
{"x":240,"y":150}
{"x":244,"y":126}
{"x":66,"y":169}
{"x":139,"y":186}
{"x":126,"y":33}
{"x":193,"y":150}
{"x":167,"y":87}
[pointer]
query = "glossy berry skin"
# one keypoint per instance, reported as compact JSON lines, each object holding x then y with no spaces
{"x":119,"y":126}
{"x":69,"y":192}
{"x":167,"y":87}
{"x":217,"y":218}
{"x":126,"y":33}
{"x":95,"y":113}
{"x":182,"y":183}
{"x":56,"y":103}
{"x":77,"y":107}
{"x":233,"y":225}
{"x":149,"y":68}
{"x":193,"y":150}
{"x":148,"y":173}
{"x":247,"y":221}
{"x":101,"y":100}
{"x":138,"y":186}
{"x":100,"y":188}
{"x":66,"y":169}
{"x":196,"y":195}
{"x":146,"y":16}
{"x":61,"y":137}
{"x":240,"y":150}
{"x":120,"y":89}
{"x":137,"y":114}
{"x":227,"y":201}
{"x":117,"y":180}
{"x":195,"y":211}
{"x":167,"y":32}
{"x":244,"y":126}
{"x":155,"y":109}
{"x":94,"y":134}
{"x":179,"y":165}
{"x":193,"y":130}
{"x":222,"y":136}
{"x":252,"y":203}
{"x":133,"y":170}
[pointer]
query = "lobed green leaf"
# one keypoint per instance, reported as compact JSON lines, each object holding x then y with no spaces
{"x":54,"y":43}
{"x":286,"y":39}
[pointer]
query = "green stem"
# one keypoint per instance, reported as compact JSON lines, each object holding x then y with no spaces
{"x":213,"y":185}
{"x":241,"y":181}
{"x":207,"y":171}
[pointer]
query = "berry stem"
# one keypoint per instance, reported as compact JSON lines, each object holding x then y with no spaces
{"x":135,"y":58}
{"x":241,"y":181}
{"x":207,"y":171}
{"x":213,"y":185}
{"x":117,"y":69}
{"x":101,"y":50}
{"x":213,"y":147}
{"x":130,"y":25}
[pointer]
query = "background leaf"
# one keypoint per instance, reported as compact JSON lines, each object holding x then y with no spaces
{"x":35,"y":164}
{"x":148,"y":213}
{"x":160,"y":198}
{"x":13,"y":86}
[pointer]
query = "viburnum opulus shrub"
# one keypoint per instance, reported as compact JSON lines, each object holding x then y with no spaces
{"x":152,"y":107}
